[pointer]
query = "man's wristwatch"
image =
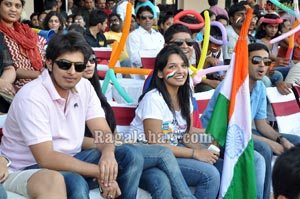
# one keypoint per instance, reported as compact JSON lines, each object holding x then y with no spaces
{"x":278,"y":139}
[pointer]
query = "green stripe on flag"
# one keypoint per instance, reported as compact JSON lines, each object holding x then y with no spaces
{"x":244,"y":176}
{"x":218,"y":123}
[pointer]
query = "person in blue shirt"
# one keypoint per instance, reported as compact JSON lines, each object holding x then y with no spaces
{"x":266,"y":140}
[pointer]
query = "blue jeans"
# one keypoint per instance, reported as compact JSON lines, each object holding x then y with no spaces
{"x":284,"y":70}
{"x":3,"y":194}
{"x":130,"y":165}
{"x":265,"y":150}
{"x":162,"y":176}
{"x":125,"y":63}
{"x":271,"y":81}
{"x":260,"y":171}
{"x":203,"y":176}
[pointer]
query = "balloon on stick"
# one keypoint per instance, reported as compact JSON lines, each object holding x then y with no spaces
{"x":205,"y":41}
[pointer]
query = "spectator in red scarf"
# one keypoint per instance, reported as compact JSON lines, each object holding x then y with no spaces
{"x":21,"y":41}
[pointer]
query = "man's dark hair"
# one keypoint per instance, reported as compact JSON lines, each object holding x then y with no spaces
{"x":175,"y":28}
{"x":97,"y":16}
{"x":142,"y":9}
{"x":286,"y":174}
{"x":257,"y":46}
{"x":115,"y":15}
{"x":191,"y":20}
{"x":67,"y":43}
{"x":212,"y":2}
{"x":235,"y":8}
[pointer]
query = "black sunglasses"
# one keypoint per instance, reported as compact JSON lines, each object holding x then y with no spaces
{"x":92,"y":59}
{"x":257,"y":59}
{"x":179,"y":42}
{"x":66,"y":65}
{"x":144,"y":17}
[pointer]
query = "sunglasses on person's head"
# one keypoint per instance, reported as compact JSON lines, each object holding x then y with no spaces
{"x":257,"y":59}
{"x":179,"y":42}
{"x":144,"y":17}
{"x":66,"y":65}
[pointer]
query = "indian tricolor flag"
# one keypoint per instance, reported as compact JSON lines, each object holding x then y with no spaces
{"x":230,"y":124}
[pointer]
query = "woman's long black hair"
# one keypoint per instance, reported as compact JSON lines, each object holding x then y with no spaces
{"x":109,"y":114}
{"x":184,"y":91}
{"x":261,"y":32}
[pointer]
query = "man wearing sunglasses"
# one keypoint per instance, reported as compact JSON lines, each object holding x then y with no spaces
{"x":266,"y":140}
{"x":144,"y":38}
{"x":46,"y":123}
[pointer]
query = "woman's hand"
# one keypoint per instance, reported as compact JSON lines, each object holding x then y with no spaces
{"x":7,"y":87}
{"x":206,"y":155}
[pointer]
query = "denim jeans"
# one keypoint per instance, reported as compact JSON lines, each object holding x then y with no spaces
{"x":162,"y":176}
{"x":284,"y":70}
{"x":265,"y":150}
{"x":3,"y":194}
{"x":260,"y":171}
{"x":271,"y":81}
{"x":130,"y":166}
{"x":203,"y":176}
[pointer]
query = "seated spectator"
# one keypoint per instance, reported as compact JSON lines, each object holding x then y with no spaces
{"x":42,"y":16}
{"x":109,"y":5}
{"x":115,"y":34}
{"x":58,"y":106}
{"x":266,"y":140}
{"x":34,"y":18}
{"x":286,"y":175}
{"x":78,"y":19}
{"x":161,"y":176}
{"x":133,"y":24}
{"x":69,"y":21}
{"x":163,"y":117}
{"x":94,"y":33}
{"x":54,"y":21}
{"x":100,"y":4}
{"x":222,"y":19}
{"x":214,"y":57}
{"x":181,"y":36}
{"x":269,"y":28}
{"x":140,"y":3}
{"x":138,"y":40}
{"x":165,"y":22}
{"x":22,"y":43}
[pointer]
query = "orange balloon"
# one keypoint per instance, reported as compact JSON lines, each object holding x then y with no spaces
{"x":138,"y":71}
{"x":116,"y":53}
